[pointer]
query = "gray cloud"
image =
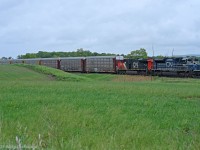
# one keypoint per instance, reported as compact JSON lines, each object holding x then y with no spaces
{"x":115,"y":26}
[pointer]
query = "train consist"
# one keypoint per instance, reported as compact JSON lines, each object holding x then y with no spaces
{"x":177,"y":66}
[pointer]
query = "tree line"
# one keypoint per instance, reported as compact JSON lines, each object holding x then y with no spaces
{"x":79,"y":53}
{"x":135,"y":54}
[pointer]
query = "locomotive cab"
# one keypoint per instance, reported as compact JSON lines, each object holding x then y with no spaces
{"x":120,"y":65}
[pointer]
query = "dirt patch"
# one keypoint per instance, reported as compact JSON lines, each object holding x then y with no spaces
{"x":51,"y":77}
{"x":193,"y":98}
{"x":131,"y":78}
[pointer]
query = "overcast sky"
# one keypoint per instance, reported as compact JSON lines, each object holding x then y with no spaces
{"x":114,"y":26}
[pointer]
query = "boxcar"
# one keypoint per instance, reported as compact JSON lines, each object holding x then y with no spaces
{"x":101,"y":64}
{"x":35,"y":61}
{"x":4,"y":61}
{"x":17,"y":61}
{"x":73,"y":64}
{"x":49,"y":62}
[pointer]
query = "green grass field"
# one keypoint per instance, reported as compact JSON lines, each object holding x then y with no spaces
{"x":92,"y":111}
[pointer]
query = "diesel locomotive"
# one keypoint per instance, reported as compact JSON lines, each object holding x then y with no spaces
{"x":176,"y":66}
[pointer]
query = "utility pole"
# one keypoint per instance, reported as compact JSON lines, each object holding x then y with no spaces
{"x":173,"y":52}
{"x":153,"y":50}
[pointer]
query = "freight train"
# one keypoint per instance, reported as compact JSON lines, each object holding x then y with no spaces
{"x":176,"y":66}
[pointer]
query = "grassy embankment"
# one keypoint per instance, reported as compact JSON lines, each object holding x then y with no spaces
{"x":98,"y":112}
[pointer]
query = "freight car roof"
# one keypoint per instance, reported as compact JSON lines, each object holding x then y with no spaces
{"x":62,"y":58}
{"x":65,"y":58}
{"x":101,"y":57}
{"x":39,"y":59}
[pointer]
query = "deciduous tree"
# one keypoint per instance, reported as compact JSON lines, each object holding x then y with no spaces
{"x":136,"y":54}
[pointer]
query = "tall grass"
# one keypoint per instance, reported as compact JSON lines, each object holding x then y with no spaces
{"x":156,"y":114}
{"x":57,"y":74}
